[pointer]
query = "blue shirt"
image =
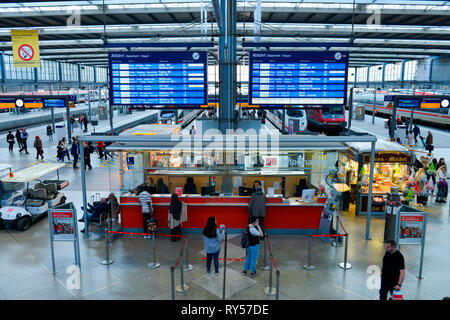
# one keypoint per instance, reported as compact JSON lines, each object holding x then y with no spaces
{"x":212,"y":245}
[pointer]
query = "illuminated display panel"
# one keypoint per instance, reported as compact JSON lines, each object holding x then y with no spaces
{"x":299,"y":78}
{"x":158,"y":78}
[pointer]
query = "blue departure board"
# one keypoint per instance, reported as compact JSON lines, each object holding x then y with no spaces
{"x":300,"y":78}
{"x":158,"y":78}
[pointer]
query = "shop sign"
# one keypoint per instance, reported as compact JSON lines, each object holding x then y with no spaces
{"x":389,"y":157}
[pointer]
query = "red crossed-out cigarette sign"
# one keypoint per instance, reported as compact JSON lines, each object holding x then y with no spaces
{"x":26,"y":52}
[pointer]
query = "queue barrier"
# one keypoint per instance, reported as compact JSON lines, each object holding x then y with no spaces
{"x":182,"y":288}
{"x":344,"y":265}
{"x":270,"y":291}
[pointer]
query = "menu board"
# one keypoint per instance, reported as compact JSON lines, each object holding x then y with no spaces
{"x":296,"y":78}
{"x":158,"y":78}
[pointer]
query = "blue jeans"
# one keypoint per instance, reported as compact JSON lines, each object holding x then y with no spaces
{"x":63,"y":155}
{"x":252,"y":258}
{"x":209,"y":257}
{"x":75,"y":160}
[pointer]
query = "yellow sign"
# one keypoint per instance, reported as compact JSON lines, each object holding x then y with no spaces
{"x":25,"y":47}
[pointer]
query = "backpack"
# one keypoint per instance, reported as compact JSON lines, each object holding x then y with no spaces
{"x":91,"y":148}
{"x":245,"y":242}
{"x":152,"y":225}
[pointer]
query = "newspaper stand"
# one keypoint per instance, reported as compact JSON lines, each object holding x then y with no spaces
{"x":63,"y":226}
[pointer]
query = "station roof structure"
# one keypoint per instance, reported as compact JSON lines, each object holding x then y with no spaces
{"x":381,"y":30}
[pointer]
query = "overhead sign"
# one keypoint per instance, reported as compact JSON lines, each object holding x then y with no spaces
{"x":435,"y":104}
{"x":30,"y":102}
{"x":158,"y":79}
{"x":25,"y":47}
{"x":299,"y":78}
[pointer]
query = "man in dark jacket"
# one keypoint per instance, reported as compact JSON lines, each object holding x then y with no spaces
{"x":85,"y":122}
{"x":416,"y":131}
{"x":23,"y":139}
{"x":87,"y":156}
{"x":74,"y":150}
{"x":391,"y":127}
{"x":257,"y":205}
{"x":10,"y":140}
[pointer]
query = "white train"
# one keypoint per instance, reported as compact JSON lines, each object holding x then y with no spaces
{"x":427,"y":108}
{"x":295,"y":121}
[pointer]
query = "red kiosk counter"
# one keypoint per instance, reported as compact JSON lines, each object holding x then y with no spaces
{"x":282,"y":216}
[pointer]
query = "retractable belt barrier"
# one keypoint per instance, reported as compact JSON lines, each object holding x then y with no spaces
{"x":270,"y":290}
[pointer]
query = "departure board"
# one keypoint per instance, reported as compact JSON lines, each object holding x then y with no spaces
{"x":158,"y":78}
{"x":300,"y":78}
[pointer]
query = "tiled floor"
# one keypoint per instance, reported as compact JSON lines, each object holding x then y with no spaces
{"x":25,"y":260}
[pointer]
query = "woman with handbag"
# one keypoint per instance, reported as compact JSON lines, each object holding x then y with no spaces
{"x":38,"y":146}
{"x":429,"y":143}
{"x":442,"y":184}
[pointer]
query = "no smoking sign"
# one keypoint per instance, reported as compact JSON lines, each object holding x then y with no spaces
{"x":26,"y":52}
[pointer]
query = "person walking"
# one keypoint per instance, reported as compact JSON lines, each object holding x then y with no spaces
{"x":23,"y":140}
{"x":429,"y":143}
{"x":416,"y":131}
{"x":392,"y":271}
{"x":38,"y":146}
{"x":211,"y":240}
{"x":174,"y":218}
{"x":18,"y":138}
{"x":10,"y":140}
{"x":257,"y":205}
{"x":50,"y":132}
{"x":64,"y":145}
{"x":100,"y":147}
{"x":410,"y":138}
{"x":254,"y":233}
{"x":440,"y":164}
{"x":75,"y":151}
{"x":87,"y":156}
{"x":85,"y":122}
{"x":147,"y":211}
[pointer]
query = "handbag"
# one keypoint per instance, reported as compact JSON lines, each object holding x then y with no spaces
{"x":152,"y":226}
{"x":397,"y":295}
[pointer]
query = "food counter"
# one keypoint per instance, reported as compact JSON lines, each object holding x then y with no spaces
{"x":282,"y":215}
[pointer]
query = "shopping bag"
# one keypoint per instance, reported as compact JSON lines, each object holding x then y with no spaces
{"x":152,"y":225}
{"x":397,"y":295}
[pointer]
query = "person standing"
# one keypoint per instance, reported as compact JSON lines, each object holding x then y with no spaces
{"x":10,"y":140}
{"x":429,"y":142}
{"x":211,"y":240}
{"x":38,"y":146}
{"x":416,"y":131}
{"x":23,"y":140}
{"x":410,"y":138}
{"x":440,"y":164}
{"x":147,"y":210}
{"x":72,"y":122}
{"x":441,"y":174}
{"x":80,"y":121}
{"x":257,"y":205}
{"x":85,"y":122}
{"x":254,"y":233}
{"x":392,"y":271}
{"x":87,"y":156}
{"x":18,"y":138}
{"x":391,"y":128}
{"x":174,"y":218}
{"x":50,"y":132}
{"x":75,"y":151}
{"x":192,"y":131}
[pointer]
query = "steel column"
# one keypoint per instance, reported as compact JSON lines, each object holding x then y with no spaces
{"x":369,"y":200}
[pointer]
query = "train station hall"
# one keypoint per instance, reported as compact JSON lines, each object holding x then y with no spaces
{"x":216,"y":158}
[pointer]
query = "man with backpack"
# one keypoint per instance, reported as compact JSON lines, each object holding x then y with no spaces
{"x":257,"y":205}
{"x":23,"y":139}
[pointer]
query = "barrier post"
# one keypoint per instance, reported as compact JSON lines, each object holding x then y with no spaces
{"x":107,"y":240}
{"x":336,"y":243}
{"x":154,"y":264}
{"x":269,"y":290}
{"x":225,"y":265}
{"x":309,"y":266}
{"x":344,"y":265}
{"x":265,"y":266}
{"x":182,"y":288}
{"x":278,"y":286}
{"x":188,"y":266}
{"x":172,"y":280}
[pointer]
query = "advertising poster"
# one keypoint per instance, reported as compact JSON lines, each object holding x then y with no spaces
{"x":411,"y":229}
{"x":63,"y":225}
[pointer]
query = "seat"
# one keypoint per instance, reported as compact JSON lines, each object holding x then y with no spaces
{"x":39,"y":185}
{"x":52,"y":189}
{"x":38,"y":194}
{"x":100,"y":223}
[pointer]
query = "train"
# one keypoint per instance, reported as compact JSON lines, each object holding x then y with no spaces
{"x":428,"y":109}
{"x":328,"y":119}
{"x":295,"y":120}
{"x":185,"y":116}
